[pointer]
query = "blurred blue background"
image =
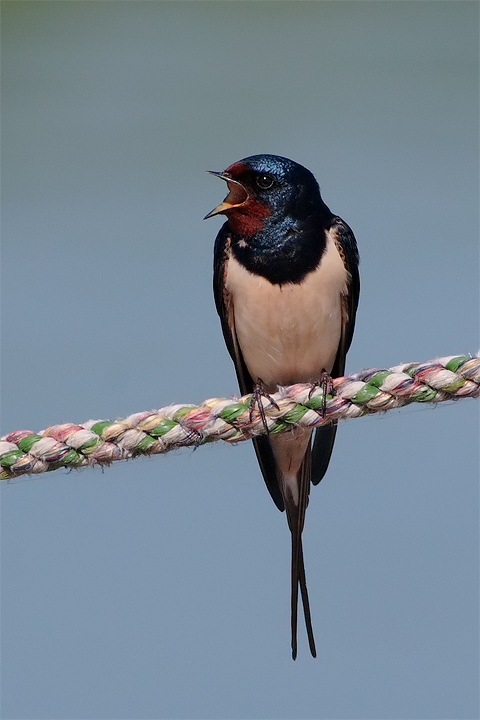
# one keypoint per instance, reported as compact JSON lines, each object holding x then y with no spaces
{"x":159,"y":588}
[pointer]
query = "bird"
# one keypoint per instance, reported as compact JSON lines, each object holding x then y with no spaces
{"x":286,"y":288}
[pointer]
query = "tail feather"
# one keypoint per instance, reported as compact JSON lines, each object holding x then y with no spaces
{"x":306,"y":604}
{"x":296,"y":518}
{"x":294,"y":600}
{"x":292,"y":453}
{"x":298,"y":579}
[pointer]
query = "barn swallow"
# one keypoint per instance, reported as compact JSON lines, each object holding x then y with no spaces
{"x":286,"y":287}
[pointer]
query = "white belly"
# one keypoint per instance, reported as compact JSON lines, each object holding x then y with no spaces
{"x":289,"y":333}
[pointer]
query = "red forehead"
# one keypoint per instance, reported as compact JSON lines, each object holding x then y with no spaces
{"x":236,"y":169}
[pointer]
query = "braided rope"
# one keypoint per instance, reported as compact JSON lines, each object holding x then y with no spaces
{"x":100,"y":442}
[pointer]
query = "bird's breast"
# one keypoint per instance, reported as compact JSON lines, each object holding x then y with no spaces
{"x":288,"y":333}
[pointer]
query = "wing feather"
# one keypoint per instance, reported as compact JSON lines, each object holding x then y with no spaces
{"x":263,"y":448}
{"x":347,"y":247}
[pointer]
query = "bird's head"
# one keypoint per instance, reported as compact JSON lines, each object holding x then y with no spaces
{"x":263,"y":187}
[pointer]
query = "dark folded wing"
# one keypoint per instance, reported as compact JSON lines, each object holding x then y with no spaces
{"x":347,"y":247}
{"x":224,"y":307}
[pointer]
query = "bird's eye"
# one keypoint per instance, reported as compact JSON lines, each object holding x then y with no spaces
{"x":264,"y":181}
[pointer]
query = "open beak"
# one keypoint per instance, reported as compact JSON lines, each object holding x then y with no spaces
{"x":236,"y":197}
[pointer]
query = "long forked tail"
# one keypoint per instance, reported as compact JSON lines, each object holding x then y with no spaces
{"x":293,"y":457}
{"x":296,"y":519}
{"x":298,"y":579}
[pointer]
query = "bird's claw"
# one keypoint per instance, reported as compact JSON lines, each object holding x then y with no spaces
{"x":326,"y":385}
{"x":259,"y":392}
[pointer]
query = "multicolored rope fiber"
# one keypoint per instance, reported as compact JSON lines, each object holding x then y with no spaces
{"x":100,"y":442}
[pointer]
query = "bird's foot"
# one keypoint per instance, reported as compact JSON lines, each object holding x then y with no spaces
{"x":259,"y":392}
{"x":326,"y":385}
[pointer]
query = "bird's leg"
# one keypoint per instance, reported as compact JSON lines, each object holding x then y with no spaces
{"x":326,"y":384}
{"x":259,"y":391}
